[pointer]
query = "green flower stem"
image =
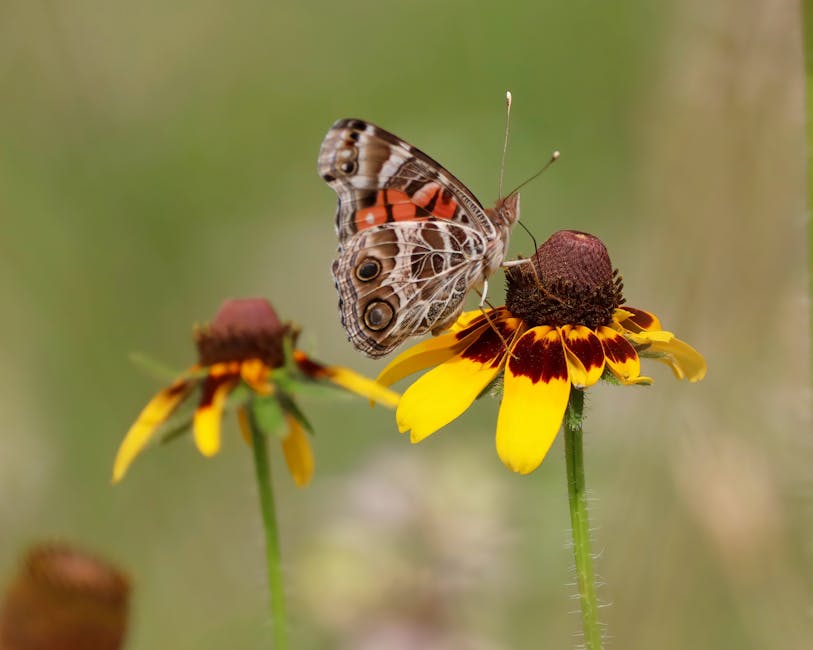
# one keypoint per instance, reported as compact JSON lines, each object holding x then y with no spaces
{"x":807,"y":37}
{"x":272,"y":553}
{"x":574,"y":455}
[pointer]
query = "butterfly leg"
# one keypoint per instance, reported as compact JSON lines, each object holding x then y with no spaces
{"x":514,"y":263}
{"x":509,"y":263}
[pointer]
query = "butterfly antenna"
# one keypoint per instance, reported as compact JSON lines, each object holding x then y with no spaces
{"x":553,"y":158}
{"x":505,"y":141}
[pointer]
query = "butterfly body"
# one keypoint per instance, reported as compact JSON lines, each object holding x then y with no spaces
{"x":413,"y":240}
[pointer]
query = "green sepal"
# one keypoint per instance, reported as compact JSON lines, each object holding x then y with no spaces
{"x":494,"y":388}
{"x":180,"y":422}
{"x":292,"y":408}
{"x":610,"y":378}
{"x":574,"y":413}
{"x":161,"y":371}
{"x":288,"y":346}
{"x":266,"y":414}
{"x":296,"y":383}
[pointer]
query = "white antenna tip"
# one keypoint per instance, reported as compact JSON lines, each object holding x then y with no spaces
{"x":508,"y":97}
{"x":555,"y":155}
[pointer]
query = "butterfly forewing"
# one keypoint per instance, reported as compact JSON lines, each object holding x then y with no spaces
{"x":359,"y":160}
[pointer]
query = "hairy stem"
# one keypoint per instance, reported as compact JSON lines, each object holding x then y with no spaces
{"x":272,"y":550}
{"x":574,"y":455}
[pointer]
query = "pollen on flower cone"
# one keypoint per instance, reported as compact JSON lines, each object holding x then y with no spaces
{"x":569,"y":280}
{"x":64,"y":599}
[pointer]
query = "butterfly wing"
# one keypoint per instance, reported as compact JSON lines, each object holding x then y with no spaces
{"x":381,"y":179}
{"x":397,"y":280}
{"x":412,"y":238}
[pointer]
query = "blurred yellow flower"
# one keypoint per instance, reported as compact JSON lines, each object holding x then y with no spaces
{"x":563,"y":326}
{"x":245,"y":348}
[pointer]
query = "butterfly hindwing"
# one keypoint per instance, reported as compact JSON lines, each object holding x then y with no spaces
{"x":401,"y":280}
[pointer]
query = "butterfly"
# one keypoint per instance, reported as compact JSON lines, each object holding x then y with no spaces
{"x":413,"y":239}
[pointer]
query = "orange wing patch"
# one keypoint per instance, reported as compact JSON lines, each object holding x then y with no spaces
{"x":432,"y":198}
{"x":394,"y":205}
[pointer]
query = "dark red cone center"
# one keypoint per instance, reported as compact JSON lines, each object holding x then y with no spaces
{"x":243,"y":329}
{"x":568,"y":281}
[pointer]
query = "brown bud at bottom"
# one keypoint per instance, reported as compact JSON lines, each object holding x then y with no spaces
{"x":242,"y":329}
{"x":568,"y":281}
{"x":64,"y":599}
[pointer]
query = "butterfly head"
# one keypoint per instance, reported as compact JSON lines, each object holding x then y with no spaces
{"x":506,"y":211}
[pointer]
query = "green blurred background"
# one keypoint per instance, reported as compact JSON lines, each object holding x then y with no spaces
{"x":156,"y":158}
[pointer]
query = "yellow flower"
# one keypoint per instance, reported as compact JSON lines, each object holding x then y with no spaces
{"x":245,"y":348}
{"x":563,"y":326}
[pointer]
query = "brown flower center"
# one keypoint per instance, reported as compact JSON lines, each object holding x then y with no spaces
{"x":243,"y":329}
{"x":63,"y":598}
{"x":569,"y":281}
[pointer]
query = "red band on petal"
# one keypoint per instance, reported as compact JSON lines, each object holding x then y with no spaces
{"x":176,"y":389}
{"x":308,"y":366}
{"x":494,"y":315}
{"x":489,"y":347}
{"x":540,"y":359}
{"x":210,"y":386}
{"x":586,"y":348}
{"x":642,"y":319}
{"x":617,"y":349}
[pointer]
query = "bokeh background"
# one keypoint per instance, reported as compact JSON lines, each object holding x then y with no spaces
{"x":156,"y":158}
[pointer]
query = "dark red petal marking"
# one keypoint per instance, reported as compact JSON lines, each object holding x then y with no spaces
{"x":210,"y":386}
{"x":177,"y":388}
{"x":618,"y":349}
{"x":488,"y":347}
{"x":641,"y":318}
{"x":587,"y":350}
{"x":539,"y":360}
{"x":494,"y":316}
{"x":310,"y":367}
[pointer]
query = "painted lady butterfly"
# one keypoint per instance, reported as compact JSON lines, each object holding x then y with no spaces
{"x":412,"y":238}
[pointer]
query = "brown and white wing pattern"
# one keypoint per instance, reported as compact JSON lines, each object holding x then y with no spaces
{"x":380,"y":178}
{"x":397,"y":281}
{"x":413,"y":240}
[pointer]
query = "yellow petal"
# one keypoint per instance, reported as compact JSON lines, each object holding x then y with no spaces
{"x":585,"y":355}
{"x":347,"y":379}
{"x":298,"y":452}
{"x":622,"y":359}
{"x":360,"y":385}
{"x":255,"y":373}
{"x":475,"y":317}
{"x":682,"y":358}
{"x":206,"y":424}
{"x":157,"y":410}
{"x":535,"y":395}
{"x":443,"y":393}
{"x":428,"y":353}
{"x":643,"y":339}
